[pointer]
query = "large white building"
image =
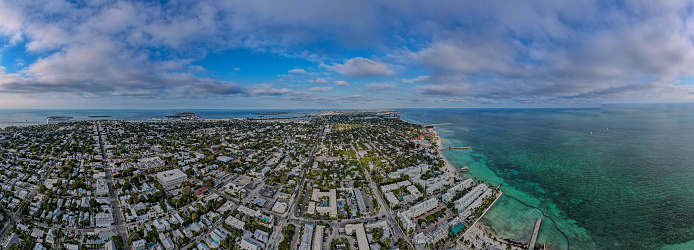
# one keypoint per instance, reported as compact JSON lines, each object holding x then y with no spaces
{"x":362,"y":240}
{"x":103,"y":219}
{"x":318,"y":238}
{"x":463,"y":214}
{"x":101,"y":187}
{"x":470,"y":197}
{"x":171,"y":178}
{"x":306,"y":238}
{"x":423,"y":207}
{"x":407,"y":222}
{"x":331,"y":209}
{"x":450,"y":194}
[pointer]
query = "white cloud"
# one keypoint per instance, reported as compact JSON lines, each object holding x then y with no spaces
{"x":268,"y":90}
{"x":362,"y":67}
{"x":417,"y":79}
{"x":519,"y":50}
{"x":196,"y":68}
{"x":380,"y":86}
{"x":321,"y":89}
{"x":319,"y":81}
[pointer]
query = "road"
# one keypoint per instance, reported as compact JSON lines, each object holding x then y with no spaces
{"x":292,"y":206}
{"x":397,"y":230}
{"x":118,"y":219}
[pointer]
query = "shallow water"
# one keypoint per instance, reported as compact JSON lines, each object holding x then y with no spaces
{"x":625,"y":186}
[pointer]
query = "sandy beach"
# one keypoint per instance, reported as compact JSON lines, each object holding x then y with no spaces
{"x":447,"y":165}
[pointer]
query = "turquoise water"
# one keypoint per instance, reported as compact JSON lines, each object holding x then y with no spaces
{"x":628,"y":185}
{"x":457,"y":228}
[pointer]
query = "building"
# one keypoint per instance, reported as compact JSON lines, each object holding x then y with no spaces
{"x":318,"y":239}
{"x":110,"y":245}
{"x":391,"y":187}
{"x":50,"y":236}
{"x":434,"y":236}
{"x":392,"y":200}
{"x":463,"y":214}
{"x":200,"y":191}
{"x":224,"y":159}
{"x":171,"y":178}
{"x":248,"y":211}
{"x":407,"y":222}
{"x":362,"y":240}
{"x":248,"y":245}
{"x":423,"y":207}
{"x":101,"y":187}
{"x":140,"y":245}
{"x":470,"y":197}
{"x":306,"y":238}
{"x":360,"y":200}
{"x":38,"y":246}
{"x":331,"y":209}
{"x":168,"y":244}
{"x":236,"y":223}
{"x":103,"y":219}
{"x":450,"y":194}
{"x":311,"y":207}
{"x":14,"y":239}
{"x":279,"y":207}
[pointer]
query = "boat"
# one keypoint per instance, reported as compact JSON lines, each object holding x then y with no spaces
{"x":465,"y":169}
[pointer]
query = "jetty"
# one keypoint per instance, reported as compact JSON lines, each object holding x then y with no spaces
{"x":455,"y":148}
{"x":537,"y":230}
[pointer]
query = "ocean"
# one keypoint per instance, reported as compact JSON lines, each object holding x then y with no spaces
{"x":25,"y":117}
{"x":615,"y":177}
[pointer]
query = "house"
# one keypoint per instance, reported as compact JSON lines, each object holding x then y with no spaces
{"x":14,"y":239}
{"x":168,"y":244}
{"x":248,"y":245}
{"x":236,"y":223}
{"x":110,"y":245}
{"x":37,"y":233}
{"x":200,"y":191}
{"x":140,"y":245}
{"x":38,"y":246}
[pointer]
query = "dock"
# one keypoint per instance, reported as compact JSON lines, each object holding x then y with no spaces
{"x":537,"y":230}
{"x":456,"y":148}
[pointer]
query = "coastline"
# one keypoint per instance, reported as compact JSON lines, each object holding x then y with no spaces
{"x":447,"y":164}
{"x":479,"y":233}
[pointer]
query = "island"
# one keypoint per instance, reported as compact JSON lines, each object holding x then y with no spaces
{"x":362,"y":179}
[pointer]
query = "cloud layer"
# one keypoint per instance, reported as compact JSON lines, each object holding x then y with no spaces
{"x":537,"y":51}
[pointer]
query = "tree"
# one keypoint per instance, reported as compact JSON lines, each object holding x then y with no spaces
{"x":377,"y":234}
{"x":284,"y":245}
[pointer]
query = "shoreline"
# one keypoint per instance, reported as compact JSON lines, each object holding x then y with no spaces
{"x":448,"y":166}
{"x":478,"y":232}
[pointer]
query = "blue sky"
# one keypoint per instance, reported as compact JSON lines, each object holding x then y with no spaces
{"x":343,"y":54}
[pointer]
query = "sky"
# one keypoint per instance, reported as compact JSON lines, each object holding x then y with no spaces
{"x":343,"y":54}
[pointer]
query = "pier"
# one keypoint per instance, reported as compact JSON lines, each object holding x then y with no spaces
{"x":537,"y":230}
{"x":456,"y":148}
